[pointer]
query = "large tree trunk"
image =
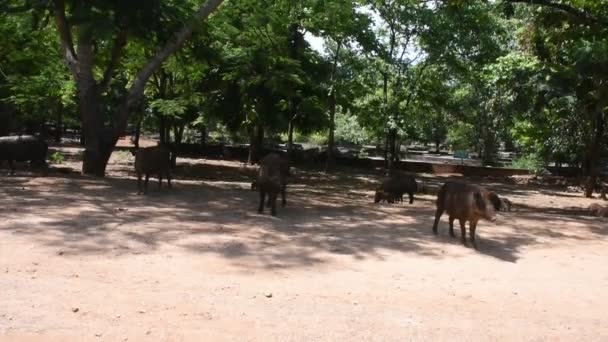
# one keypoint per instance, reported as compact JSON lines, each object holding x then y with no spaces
{"x":594,"y":147}
{"x":99,"y":141}
{"x":256,"y":144}
{"x":593,"y":152}
{"x":59,"y":122}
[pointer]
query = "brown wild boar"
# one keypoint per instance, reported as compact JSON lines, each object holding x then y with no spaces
{"x":594,"y":209}
{"x":155,"y":160}
{"x":397,"y":184}
{"x":272,"y":180}
{"x":465,"y":202}
{"x":597,"y":210}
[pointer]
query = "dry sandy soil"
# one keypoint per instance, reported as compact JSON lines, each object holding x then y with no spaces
{"x":84,"y":259}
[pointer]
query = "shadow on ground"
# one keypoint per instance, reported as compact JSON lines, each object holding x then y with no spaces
{"x":212,"y":211}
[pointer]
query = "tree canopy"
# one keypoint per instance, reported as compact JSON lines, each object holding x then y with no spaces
{"x":524,"y":76}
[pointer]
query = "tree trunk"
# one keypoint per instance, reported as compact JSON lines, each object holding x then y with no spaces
{"x":178,"y":134}
{"x":137,"y":134}
{"x":99,"y":141}
{"x":256,"y":140}
{"x":59,"y":122}
{"x":98,"y":149}
{"x":162,"y":130}
{"x":81,"y":136}
{"x":290,"y":129}
{"x":331,"y":143}
{"x":331,"y":139}
{"x":593,"y":152}
{"x":203,"y":138}
{"x":385,"y":152}
{"x":392,"y":146}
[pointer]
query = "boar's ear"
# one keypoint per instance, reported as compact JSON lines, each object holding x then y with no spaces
{"x":495,"y":200}
{"x":479,"y":201}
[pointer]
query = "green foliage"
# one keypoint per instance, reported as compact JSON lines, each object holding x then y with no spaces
{"x":349,"y":131}
{"x":461,"y":136}
{"x":474,"y":75}
{"x":57,"y":158}
{"x":531,"y":162}
{"x":318,"y":138}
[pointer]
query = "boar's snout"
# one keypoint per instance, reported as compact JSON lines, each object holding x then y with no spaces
{"x":377,"y":197}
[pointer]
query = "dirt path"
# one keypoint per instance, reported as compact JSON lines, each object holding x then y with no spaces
{"x":86,"y":259}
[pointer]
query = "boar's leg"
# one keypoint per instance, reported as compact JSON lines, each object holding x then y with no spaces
{"x":169,"y":179}
{"x":411,"y":194}
{"x":269,"y":201}
{"x":283,"y":196}
{"x":11,"y":165}
{"x":472,"y":227}
{"x":463,"y":231}
{"x":139,"y":183}
{"x":146,"y":183}
{"x":273,"y":207}
{"x":262,"y":197}
{"x":452,"y":227}
{"x":438,"y":214}
{"x":160,"y":180}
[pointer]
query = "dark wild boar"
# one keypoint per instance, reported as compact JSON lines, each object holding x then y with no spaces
{"x":465,"y":202}
{"x":505,"y":204}
{"x":272,"y":180}
{"x":155,"y":160}
{"x":594,"y":209}
{"x":397,"y":184}
{"x":598,"y":210}
{"x":23,"y":148}
{"x":382,"y":196}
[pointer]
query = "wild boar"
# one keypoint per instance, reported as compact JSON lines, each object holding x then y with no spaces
{"x":272,"y":180}
{"x":597,"y":210}
{"x":397,"y":184}
{"x":382,"y":196}
{"x":505,"y":204}
{"x":23,"y":148}
{"x":155,"y":160}
{"x":465,"y":202}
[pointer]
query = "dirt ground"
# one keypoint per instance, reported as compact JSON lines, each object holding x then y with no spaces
{"x":85,"y":259}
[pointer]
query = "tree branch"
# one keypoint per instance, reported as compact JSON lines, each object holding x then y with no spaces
{"x":573,"y":11}
{"x":65,"y":36}
{"x":137,"y":88}
{"x":119,"y":44}
{"x":16,"y":9}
